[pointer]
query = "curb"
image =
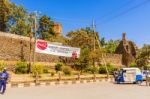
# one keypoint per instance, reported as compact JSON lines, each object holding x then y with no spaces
{"x":55,"y":83}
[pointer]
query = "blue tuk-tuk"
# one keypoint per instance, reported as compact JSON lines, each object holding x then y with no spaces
{"x":129,"y":75}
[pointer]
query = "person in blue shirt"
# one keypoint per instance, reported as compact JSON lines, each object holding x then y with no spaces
{"x":3,"y":80}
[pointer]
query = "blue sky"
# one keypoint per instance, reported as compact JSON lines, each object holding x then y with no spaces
{"x":109,"y":20}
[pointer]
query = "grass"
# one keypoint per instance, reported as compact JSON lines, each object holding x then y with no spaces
{"x":48,"y":77}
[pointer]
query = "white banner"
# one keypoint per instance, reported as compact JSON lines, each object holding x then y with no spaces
{"x":46,"y":48}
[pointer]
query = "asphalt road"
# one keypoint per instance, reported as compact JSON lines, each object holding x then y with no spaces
{"x":80,"y":91}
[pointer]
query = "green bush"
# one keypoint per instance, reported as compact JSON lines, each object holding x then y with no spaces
{"x":110,"y":67}
{"x":91,"y":70}
{"x":45,"y":70}
{"x":2,"y":65}
{"x":148,"y":66}
{"x":37,"y":69}
{"x":52,"y":73}
{"x":67,"y":70}
{"x":58,"y":67}
{"x":133,"y":64}
{"x":21,"y":68}
{"x":102,"y":70}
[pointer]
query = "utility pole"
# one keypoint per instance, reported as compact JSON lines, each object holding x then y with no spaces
{"x":99,"y":45}
{"x":30,"y":55}
{"x":93,"y":28}
{"x":35,"y":30}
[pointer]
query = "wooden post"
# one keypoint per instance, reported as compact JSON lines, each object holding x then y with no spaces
{"x":78,"y":76}
{"x":94,"y":76}
{"x":59,"y":76}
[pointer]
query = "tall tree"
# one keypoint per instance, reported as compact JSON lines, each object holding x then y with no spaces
{"x":81,"y":38}
{"x":18,"y":21}
{"x":143,"y":57}
{"x":46,"y":28}
{"x":111,"y":46}
{"x":84,"y":39}
{"x":103,"y":42}
{"x":4,"y":13}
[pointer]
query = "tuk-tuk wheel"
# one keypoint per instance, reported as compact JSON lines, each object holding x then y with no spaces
{"x":138,"y":82}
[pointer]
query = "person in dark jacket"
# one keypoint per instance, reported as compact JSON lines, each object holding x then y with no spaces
{"x":3,"y":80}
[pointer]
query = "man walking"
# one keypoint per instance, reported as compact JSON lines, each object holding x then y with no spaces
{"x":3,"y":81}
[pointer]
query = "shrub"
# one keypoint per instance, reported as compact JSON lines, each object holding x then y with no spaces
{"x":21,"y":68}
{"x":2,"y":65}
{"x":110,"y":67}
{"x":52,"y":73}
{"x":148,"y":66}
{"x":133,"y":64}
{"x":45,"y":70}
{"x":37,"y":69}
{"x":91,"y":70}
{"x":67,"y":70}
{"x":102,"y":70}
{"x":58,"y":67}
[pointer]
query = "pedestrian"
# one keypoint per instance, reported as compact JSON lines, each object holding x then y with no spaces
{"x":116,"y":75}
{"x":3,"y":81}
{"x":147,"y":79}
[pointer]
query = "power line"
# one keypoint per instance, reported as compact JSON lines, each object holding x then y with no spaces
{"x":124,"y":12}
{"x":111,"y":12}
{"x":71,"y":20}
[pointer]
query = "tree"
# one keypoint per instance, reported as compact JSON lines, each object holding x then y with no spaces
{"x":20,"y":28}
{"x":4,"y":13}
{"x":143,"y":56}
{"x":84,"y":39}
{"x":84,"y":60}
{"x":103,"y":42}
{"x":46,"y":28}
{"x":14,"y":18}
{"x":111,"y":46}
{"x":18,"y":21}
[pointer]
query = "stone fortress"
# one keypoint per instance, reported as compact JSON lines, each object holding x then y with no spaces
{"x":127,"y":49}
{"x":18,"y":48}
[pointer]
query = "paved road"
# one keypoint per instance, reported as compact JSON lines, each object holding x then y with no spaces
{"x":80,"y":91}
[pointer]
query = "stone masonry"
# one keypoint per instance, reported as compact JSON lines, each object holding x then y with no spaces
{"x":17,"y":48}
{"x":127,"y":49}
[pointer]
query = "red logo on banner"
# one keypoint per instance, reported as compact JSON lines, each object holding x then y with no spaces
{"x":42,"y":45}
{"x":74,"y":54}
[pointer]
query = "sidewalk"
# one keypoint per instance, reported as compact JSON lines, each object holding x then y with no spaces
{"x":27,"y":80}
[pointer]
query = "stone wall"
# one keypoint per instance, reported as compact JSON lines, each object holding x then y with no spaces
{"x":115,"y":59}
{"x":17,"y":48}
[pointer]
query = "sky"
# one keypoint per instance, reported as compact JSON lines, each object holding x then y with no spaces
{"x":111,"y":17}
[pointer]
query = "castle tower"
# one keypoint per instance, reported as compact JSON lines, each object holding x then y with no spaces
{"x":124,"y":38}
{"x":58,"y":29}
{"x":127,"y":49}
